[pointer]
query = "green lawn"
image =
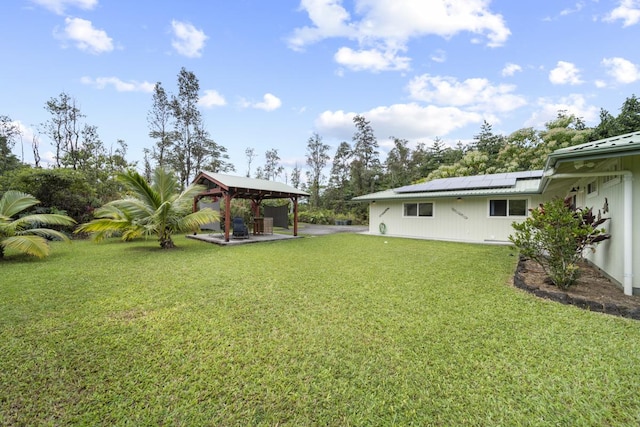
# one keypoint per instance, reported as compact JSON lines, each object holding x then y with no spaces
{"x":333,"y":330}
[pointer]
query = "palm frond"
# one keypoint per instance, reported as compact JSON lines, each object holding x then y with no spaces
{"x":45,"y":233}
{"x":47,"y":219}
{"x":165,"y":184}
{"x":141,"y":188}
{"x":30,"y":245}
{"x":14,"y":202}
{"x":129,"y":208}
{"x":103,"y":228}
{"x":193,"y":221}
{"x":190,"y":192}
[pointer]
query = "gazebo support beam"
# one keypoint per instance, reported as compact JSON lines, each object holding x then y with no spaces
{"x":295,"y":215}
{"x":227,"y":215}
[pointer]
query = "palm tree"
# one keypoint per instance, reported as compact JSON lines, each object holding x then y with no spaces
{"x":25,"y":234}
{"x":151,"y":209}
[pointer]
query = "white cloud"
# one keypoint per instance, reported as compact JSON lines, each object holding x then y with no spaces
{"x":330,"y":19}
{"x":575,"y":104}
{"x":119,"y":85}
{"x":188,"y":40}
{"x":510,"y":69}
{"x":382,"y":27}
{"x":565,"y":73}
{"x":622,"y":70}
{"x":477,"y":94}
{"x":577,"y":8}
{"x":85,"y":36}
{"x":628,"y":11}
{"x":269,"y":102}
{"x":373,"y":60}
{"x":439,"y":56}
{"x":59,"y":6}
{"x":211,"y":98}
{"x":411,"y":121}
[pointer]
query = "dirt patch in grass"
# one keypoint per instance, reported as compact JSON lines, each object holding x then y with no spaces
{"x":593,"y":291}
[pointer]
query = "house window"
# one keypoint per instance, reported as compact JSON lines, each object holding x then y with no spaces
{"x":610,"y":180}
{"x":516,"y":207}
{"x":592,"y":188}
{"x":418,"y":209}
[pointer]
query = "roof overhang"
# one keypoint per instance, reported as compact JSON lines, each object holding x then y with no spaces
{"x":245,"y":188}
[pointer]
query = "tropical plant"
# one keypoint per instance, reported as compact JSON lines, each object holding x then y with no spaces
{"x":150,"y":209}
{"x":556,"y":235}
{"x":25,"y":233}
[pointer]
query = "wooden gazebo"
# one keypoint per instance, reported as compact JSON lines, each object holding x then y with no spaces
{"x":228,"y":187}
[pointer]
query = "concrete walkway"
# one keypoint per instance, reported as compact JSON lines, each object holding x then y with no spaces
{"x":303,"y":230}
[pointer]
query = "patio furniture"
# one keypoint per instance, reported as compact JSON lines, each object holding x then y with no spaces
{"x":240,"y":229}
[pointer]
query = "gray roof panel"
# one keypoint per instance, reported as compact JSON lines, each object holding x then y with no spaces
{"x":499,"y":180}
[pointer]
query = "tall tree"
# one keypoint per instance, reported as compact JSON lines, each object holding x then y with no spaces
{"x":64,"y":129}
{"x":399,"y":164}
{"x":35,"y":147}
{"x":365,"y":167}
{"x":159,"y":120}
{"x":488,"y":142}
{"x":251,"y":155}
{"x":339,"y":190}
{"x":295,"y":176}
{"x":187,"y":122}
{"x":9,"y":131}
{"x":272,"y":168}
{"x":207,"y":154}
{"x":189,"y":148}
{"x":317,"y":158}
{"x":629,"y":117}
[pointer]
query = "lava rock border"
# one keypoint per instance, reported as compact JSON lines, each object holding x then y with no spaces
{"x":564,"y":298}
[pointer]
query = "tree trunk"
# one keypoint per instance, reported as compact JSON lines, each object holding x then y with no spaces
{"x":166,"y":242}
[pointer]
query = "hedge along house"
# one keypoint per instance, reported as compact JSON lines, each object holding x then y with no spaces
{"x":228,"y":187}
{"x":481,"y":209}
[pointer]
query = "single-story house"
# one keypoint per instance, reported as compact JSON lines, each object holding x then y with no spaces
{"x":481,"y":209}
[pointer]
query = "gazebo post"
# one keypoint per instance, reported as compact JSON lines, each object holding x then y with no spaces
{"x":295,"y":216}
{"x":195,"y":204}
{"x":227,"y":215}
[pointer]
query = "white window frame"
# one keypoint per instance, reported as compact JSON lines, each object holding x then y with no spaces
{"x":592,"y":188}
{"x":611,"y":180}
{"x":417,"y":215}
{"x":508,"y":200}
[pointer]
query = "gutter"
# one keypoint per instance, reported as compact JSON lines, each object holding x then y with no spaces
{"x":627,"y":219}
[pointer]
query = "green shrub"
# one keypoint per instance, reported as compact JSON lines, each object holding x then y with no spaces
{"x":556,"y":235}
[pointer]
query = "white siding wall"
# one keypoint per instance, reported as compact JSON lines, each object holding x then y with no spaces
{"x":609,"y":254}
{"x":464,"y":220}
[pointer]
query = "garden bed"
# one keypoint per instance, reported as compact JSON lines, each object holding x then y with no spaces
{"x":593,"y":291}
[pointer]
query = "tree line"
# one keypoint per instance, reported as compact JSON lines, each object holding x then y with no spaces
{"x":81,"y":177}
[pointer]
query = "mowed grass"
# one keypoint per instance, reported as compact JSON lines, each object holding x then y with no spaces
{"x":332,"y":330}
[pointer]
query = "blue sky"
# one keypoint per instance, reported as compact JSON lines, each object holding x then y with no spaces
{"x":273,"y":72}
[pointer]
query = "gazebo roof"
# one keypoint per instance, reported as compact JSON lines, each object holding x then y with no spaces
{"x":246,"y":188}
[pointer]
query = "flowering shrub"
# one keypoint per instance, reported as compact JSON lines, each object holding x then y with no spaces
{"x":556,"y":235}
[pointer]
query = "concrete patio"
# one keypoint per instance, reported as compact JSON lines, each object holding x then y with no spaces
{"x":218,"y":238}
{"x":304,"y":230}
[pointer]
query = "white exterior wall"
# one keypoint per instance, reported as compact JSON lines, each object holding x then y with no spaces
{"x":609,"y":255}
{"x":465,"y":220}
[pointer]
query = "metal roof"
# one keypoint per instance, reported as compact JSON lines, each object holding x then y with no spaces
{"x":264,"y":185}
{"x":513,"y":183}
{"x":499,"y":180}
{"x":524,"y":185}
{"x":620,"y":145}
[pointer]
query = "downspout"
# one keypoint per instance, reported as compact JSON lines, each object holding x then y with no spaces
{"x":628,"y":235}
{"x":627,"y":220}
